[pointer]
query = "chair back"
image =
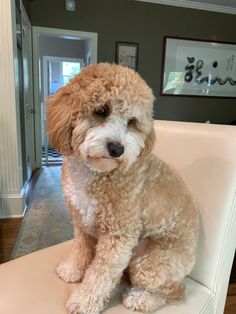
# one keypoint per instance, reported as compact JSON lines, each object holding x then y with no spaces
{"x":205,"y":156}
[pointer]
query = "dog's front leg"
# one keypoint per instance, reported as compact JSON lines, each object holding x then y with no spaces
{"x":73,"y":269}
{"x":112,"y":257}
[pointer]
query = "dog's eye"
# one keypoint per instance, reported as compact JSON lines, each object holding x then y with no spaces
{"x":131,"y":122}
{"x":102,"y":111}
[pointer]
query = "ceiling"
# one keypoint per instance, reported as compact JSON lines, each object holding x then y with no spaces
{"x":223,"y":6}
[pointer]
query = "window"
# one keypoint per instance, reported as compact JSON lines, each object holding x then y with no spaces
{"x":69,"y":70}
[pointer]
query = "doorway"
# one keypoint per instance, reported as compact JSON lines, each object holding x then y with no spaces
{"x":57,"y":72}
{"x":58,"y":55}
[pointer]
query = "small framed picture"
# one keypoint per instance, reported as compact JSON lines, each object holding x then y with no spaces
{"x":193,"y":67}
{"x":127,"y":54}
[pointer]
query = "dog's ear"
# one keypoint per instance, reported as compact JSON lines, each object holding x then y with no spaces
{"x":149,"y":144}
{"x":59,"y":111}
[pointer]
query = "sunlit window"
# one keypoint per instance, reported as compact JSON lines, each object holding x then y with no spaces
{"x":69,"y":70}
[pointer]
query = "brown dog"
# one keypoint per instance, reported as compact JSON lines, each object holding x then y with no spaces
{"x":130,"y":209}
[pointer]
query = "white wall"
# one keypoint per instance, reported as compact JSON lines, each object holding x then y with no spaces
{"x":12,"y":191}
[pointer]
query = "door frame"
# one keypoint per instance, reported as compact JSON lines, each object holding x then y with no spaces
{"x":58,"y":33}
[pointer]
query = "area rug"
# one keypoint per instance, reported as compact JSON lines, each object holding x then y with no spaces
{"x":47,"y":221}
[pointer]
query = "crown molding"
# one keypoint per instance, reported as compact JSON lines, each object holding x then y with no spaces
{"x":194,"y":5}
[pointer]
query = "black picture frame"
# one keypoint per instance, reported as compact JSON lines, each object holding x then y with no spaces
{"x":126,"y":54}
{"x":198,"y":68}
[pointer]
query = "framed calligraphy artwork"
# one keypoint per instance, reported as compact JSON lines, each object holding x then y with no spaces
{"x":127,"y":54}
{"x":198,"y":68}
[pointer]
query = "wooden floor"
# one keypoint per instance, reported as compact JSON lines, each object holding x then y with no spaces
{"x":9,"y":229}
{"x":230,"y":307}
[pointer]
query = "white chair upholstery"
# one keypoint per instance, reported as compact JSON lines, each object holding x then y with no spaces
{"x":205,"y":155}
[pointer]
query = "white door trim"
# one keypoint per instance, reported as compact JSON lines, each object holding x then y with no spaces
{"x":60,"y":33}
{"x":29,"y":106}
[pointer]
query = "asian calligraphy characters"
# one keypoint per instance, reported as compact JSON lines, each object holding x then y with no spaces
{"x":194,"y":73}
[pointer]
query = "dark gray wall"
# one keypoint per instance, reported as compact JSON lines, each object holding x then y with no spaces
{"x":26,"y":4}
{"x":146,"y":23}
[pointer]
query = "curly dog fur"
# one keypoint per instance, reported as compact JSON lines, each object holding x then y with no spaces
{"x":130,"y":209}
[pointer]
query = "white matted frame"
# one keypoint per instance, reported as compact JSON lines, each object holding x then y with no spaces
{"x":59,"y":33}
{"x":127,"y":54}
{"x":198,"y":68}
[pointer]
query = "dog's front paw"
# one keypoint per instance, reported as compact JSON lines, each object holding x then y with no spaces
{"x":69,"y":272}
{"x":141,"y":300}
{"x":78,"y":304}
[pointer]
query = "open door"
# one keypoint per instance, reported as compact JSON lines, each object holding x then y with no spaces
{"x":28,"y":93}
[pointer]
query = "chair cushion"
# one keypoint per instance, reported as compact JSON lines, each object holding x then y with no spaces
{"x":29,"y":285}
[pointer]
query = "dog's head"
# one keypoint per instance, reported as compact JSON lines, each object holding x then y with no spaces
{"x":103,"y":117}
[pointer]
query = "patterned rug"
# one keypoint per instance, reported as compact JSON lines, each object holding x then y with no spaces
{"x":47,"y":221}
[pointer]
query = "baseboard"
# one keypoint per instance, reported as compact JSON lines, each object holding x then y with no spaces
{"x":14,"y":205}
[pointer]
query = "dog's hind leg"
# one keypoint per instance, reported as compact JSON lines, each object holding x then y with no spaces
{"x":73,"y":269}
{"x":156,"y":275}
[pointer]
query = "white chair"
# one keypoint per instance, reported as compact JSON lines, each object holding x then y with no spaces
{"x":205,"y":155}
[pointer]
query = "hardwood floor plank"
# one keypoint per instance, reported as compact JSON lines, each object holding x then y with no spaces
{"x":9,"y":229}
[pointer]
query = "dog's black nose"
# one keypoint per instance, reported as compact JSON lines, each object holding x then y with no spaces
{"x":115,"y":149}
